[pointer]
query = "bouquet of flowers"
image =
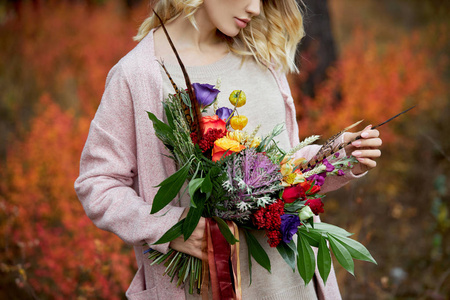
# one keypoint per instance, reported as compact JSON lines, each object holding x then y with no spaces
{"x":239,"y":180}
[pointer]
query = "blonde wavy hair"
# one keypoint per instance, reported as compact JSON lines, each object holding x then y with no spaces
{"x":271,"y":38}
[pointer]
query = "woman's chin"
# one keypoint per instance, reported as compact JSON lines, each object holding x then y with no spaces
{"x":230,"y":32}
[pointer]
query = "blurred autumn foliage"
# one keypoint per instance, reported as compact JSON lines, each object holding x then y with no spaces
{"x":53,"y":63}
{"x":400,"y":211}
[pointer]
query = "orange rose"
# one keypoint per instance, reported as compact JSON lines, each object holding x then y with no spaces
{"x":223,"y":145}
{"x":213,"y":122}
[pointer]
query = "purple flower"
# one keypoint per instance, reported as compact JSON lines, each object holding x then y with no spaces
{"x":205,"y":93}
{"x":289,"y":224}
{"x":329,"y":167}
{"x":341,"y":173}
{"x":319,"y":178}
{"x":224,"y":113}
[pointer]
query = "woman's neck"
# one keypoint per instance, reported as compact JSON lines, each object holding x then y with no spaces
{"x":196,"y":47}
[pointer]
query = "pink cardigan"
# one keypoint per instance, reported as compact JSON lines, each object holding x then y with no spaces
{"x":122,"y":162}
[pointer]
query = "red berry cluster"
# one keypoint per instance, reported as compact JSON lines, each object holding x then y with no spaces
{"x":194,"y":137}
{"x":208,"y":139}
{"x":274,"y":237}
{"x":269,"y":218}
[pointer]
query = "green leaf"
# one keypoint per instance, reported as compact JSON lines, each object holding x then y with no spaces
{"x":312,"y":235}
{"x":169,"y":188}
{"x":257,"y":251}
{"x":225,"y":230}
{"x":293,"y":246}
{"x":287,"y":254}
{"x":194,"y":185}
{"x":160,"y":127}
{"x":306,"y":262}
{"x":324,"y":227}
{"x":207,"y":185}
{"x":185,"y":98}
{"x":171,"y":234}
{"x":194,"y":215}
{"x":277,"y":130}
{"x":342,"y":255}
{"x":169,"y":115}
{"x":323,"y":259}
{"x":356,"y":249}
{"x":249,"y":260}
{"x":295,"y":206}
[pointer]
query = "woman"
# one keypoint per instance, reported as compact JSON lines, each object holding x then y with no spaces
{"x":243,"y":44}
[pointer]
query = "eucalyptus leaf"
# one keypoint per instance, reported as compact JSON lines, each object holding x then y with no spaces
{"x":171,"y":234}
{"x":306,"y":262}
{"x":225,"y":230}
{"x":287,"y":254}
{"x":323,"y":259}
{"x":342,"y":255}
{"x":257,"y":251}
{"x":169,"y":188}
{"x":356,"y":249}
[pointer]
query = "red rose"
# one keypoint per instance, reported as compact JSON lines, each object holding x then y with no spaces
{"x":316,"y":206}
{"x":292,"y":193}
{"x":315,"y":189}
{"x":307,"y":185}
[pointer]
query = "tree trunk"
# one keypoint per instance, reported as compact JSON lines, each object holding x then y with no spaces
{"x":317,"y":50}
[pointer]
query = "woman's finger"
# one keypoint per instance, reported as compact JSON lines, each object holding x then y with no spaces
{"x":368,"y":143}
{"x":371,"y":133}
{"x":366,"y":133}
{"x":366,"y":153}
{"x":369,"y":163}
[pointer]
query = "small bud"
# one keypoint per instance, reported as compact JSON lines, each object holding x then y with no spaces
{"x":305,"y":213}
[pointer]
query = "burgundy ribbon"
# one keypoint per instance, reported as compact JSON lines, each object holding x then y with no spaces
{"x":220,"y":260}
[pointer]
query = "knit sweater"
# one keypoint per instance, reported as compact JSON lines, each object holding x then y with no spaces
{"x":123,"y":161}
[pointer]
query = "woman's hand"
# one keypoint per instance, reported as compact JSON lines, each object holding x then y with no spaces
{"x":365,"y":149}
{"x":193,"y":245}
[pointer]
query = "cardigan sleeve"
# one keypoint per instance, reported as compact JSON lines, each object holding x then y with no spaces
{"x":109,"y":173}
{"x":331,"y":182}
